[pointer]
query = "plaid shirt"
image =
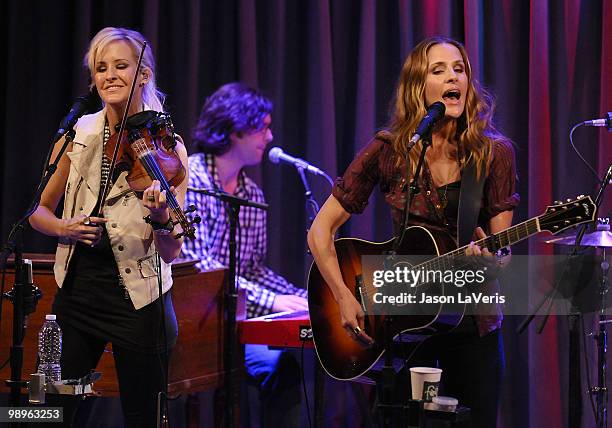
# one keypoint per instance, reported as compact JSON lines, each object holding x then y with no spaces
{"x":211,"y":244}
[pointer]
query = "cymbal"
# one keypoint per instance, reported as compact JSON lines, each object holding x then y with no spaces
{"x":598,"y":238}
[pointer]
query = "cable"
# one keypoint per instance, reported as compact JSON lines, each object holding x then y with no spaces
{"x":7,"y":361}
{"x":587,"y":368}
{"x":1,"y":300}
{"x":416,"y":348}
{"x":163,"y":357}
{"x":578,"y":153}
{"x":304,"y":382}
{"x":328,"y":179}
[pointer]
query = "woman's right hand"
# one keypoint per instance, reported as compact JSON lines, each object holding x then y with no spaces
{"x":353,"y":317}
{"x":83,"y":229}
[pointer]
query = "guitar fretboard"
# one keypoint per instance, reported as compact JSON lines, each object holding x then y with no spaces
{"x":493,"y":243}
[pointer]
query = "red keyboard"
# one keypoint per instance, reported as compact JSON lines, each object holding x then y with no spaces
{"x":281,"y":330}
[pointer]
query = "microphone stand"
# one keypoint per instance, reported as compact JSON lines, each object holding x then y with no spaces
{"x":575,"y":399}
{"x":601,"y":391}
{"x":231,"y":296}
{"x":388,"y":377}
{"x":312,"y":207}
{"x":414,"y":186}
{"x":14,"y":245}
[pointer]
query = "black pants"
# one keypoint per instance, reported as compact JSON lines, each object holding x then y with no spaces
{"x":140,"y":375}
{"x":472,"y":368}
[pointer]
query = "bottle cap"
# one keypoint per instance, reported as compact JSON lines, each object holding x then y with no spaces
{"x":50,"y":317}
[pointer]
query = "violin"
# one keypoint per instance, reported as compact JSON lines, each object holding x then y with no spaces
{"x":147,"y":152}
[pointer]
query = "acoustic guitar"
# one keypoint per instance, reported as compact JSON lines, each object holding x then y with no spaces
{"x":345,"y":358}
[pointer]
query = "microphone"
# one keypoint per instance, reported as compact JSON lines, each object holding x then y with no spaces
{"x":81,"y":105}
{"x":607,"y":121}
{"x":277,"y":155}
{"x":435,"y":112}
{"x":31,"y":293}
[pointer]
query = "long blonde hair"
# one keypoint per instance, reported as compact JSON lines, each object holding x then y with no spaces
{"x":474,"y":133}
{"x":151,"y":96}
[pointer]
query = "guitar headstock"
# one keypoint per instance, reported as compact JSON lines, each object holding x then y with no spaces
{"x":564,"y":215}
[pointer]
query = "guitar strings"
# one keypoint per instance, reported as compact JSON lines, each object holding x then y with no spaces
{"x":488,"y":242}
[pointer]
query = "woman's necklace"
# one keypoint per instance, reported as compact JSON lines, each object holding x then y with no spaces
{"x":105,"y":159}
{"x":443,"y":196}
{"x":440,"y":206}
{"x":443,"y":200}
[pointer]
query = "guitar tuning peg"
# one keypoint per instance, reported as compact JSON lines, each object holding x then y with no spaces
{"x":191,"y":208}
{"x":557,"y":203}
{"x":196,"y":220}
{"x":568,"y":200}
{"x":580,"y":196}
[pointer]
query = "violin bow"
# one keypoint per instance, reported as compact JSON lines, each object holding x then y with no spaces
{"x":106,"y":186}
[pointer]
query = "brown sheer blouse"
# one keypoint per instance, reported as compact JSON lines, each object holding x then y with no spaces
{"x":433,"y":208}
{"x":378,"y":164}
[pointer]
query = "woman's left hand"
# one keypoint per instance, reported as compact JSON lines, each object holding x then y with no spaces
{"x":486,"y":259}
{"x":154,"y":199}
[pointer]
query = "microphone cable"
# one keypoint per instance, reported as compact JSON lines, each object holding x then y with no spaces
{"x":571,"y":138}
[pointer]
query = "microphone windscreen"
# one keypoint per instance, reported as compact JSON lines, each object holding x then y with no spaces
{"x":437,"y":110}
{"x":274,"y":154}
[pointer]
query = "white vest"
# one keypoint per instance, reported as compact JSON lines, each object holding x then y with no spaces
{"x":130,"y":237}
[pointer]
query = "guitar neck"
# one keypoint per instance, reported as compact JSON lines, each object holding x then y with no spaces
{"x":493,"y":243}
{"x":508,"y":237}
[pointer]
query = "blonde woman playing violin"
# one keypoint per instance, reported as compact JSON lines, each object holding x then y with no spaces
{"x":106,"y":266}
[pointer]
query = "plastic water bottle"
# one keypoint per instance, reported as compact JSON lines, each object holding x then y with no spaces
{"x":50,"y":350}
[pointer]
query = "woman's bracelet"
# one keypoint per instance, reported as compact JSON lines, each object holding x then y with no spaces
{"x":501,"y":253}
{"x":160,"y":228}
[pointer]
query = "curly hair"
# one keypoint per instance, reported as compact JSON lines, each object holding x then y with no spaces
{"x":234,"y":107}
{"x":151,"y":96}
{"x":474,"y":133}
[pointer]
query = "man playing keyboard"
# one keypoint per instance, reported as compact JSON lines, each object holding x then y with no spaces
{"x":232,"y":132}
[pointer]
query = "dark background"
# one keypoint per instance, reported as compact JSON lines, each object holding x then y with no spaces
{"x":331,"y":67}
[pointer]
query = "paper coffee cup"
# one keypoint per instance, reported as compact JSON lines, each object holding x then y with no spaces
{"x":425,"y":382}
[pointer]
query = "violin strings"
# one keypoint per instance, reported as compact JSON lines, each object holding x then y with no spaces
{"x":153,"y":168}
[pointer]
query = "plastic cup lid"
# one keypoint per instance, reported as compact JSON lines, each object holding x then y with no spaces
{"x":445,"y":401}
{"x":50,"y":317}
{"x":425,"y":370}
